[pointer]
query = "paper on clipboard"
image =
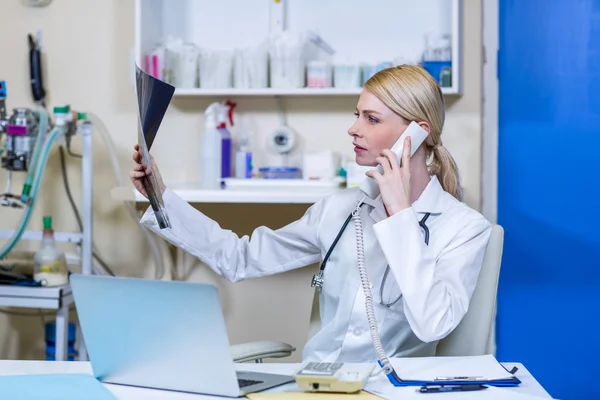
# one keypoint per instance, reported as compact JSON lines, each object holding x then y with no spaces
{"x":484,"y":367}
{"x":153,"y":97}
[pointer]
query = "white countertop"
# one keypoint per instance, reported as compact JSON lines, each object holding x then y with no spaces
{"x":529,"y":386}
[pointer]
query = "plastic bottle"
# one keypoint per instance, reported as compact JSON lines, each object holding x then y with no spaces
{"x":210,"y":157}
{"x":226,"y":150}
{"x":243,"y":157}
{"x":50,"y":262}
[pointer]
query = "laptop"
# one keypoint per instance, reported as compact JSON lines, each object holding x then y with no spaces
{"x":167,"y":335}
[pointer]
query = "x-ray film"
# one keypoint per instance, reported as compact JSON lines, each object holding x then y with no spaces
{"x":153,"y":97}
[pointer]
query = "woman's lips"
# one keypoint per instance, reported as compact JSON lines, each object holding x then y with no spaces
{"x":358,"y":149}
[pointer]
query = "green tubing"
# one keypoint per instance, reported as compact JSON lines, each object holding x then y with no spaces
{"x":40,"y":140}
{"x":37,"y":178}
{"x":43,"y":115}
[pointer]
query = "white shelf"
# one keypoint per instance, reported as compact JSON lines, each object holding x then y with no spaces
{"x":35,"y":297}
{"x":57,"y":298}
{"x":67,"y":237}
{"x":396,"y":35}
{"x":193,"y":92}
{"x":232,"y":196}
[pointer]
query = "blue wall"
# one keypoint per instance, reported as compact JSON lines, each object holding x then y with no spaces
{"x":548,"y":194}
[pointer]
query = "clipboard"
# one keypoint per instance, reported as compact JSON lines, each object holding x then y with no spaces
{"x":153,"y":97}
{"x":510,"y":380}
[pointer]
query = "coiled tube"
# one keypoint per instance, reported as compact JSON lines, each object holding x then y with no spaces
{"x":34,"y":159}
{"x":37,"y":178}
{"x":364,"y":279}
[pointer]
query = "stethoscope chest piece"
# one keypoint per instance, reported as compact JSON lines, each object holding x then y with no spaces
{"x":317,"y":281}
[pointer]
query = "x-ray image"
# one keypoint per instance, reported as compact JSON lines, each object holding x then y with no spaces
{"x":153,"y":97}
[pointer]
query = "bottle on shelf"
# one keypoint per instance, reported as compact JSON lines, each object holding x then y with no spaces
{"x":243,"y":157}
{"x":50,"y":262}
{"x":243,"y":151}
{"x":210,"y":157}
{"x":226,"y":140}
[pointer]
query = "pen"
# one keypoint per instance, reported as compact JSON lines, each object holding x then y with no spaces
{"x":460,"y":378}
{"x":450,"y":388}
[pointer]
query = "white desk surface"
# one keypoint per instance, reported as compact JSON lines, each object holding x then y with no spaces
{"x":529,"y":385}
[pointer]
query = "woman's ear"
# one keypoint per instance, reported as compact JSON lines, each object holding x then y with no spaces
{"x":425,"y":125}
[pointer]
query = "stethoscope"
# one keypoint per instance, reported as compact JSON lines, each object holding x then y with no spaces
{"x":318,"y":279}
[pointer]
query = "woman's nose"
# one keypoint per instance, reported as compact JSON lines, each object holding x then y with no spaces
{"x":353,"y":130}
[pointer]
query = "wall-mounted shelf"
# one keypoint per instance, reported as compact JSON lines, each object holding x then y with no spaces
{"x":197,"y":92}
{"x":286,"y":196}
{"x":398,"y":32}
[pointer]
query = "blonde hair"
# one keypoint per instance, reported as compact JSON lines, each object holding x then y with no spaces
{"x":412,"y":93}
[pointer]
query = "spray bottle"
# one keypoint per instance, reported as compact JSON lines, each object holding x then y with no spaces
{"x":210,"y":157}
{"x":226,"y":149}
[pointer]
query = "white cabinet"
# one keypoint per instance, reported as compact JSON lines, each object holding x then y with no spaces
{"x":362,"y":33}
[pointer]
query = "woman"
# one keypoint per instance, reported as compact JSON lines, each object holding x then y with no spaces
{"x":420,"y":290}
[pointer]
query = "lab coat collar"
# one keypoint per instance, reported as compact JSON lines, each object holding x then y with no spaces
{"x":430,"y":201}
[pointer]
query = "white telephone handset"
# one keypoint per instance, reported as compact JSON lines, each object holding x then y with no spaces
{"x":417,"y":135}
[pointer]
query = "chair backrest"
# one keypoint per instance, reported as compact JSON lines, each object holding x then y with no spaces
{"x":475,"y":333}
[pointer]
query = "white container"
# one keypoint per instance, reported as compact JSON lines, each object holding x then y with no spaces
{"x":319,"y":165}
{"x":250,"y":68}
{"x":287,"y":58}
{"x":216,"y":69}
{"x":210,"y":155}
{"x":347,"y":76}
{"x":287,"y":72}
{"x":187,"y":66}
{"x":318,"y":74}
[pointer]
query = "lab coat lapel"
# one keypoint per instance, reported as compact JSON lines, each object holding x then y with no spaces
{"x":378,"y":212}
{"x":376,"y":209}
{"x":431,"y":201}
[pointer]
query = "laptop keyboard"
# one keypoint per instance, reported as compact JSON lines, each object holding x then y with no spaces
{"x":247,"y":382}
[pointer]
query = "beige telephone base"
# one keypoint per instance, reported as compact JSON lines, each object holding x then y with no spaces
{"x":333,"y":377}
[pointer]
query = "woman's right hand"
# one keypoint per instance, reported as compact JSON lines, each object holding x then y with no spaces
{"x":141,"y":169}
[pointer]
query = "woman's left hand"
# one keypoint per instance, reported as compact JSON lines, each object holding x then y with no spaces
{"x":394,"y":183}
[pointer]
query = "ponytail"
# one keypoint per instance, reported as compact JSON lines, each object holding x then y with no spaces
{"x":444,"y":167}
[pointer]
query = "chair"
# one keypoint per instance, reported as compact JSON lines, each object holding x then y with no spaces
{"x":473,"y":336}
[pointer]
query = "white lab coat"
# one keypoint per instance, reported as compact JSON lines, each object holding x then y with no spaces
{"x":436,"y":281}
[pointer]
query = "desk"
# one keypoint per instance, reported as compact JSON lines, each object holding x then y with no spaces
{"x":8,"y":367}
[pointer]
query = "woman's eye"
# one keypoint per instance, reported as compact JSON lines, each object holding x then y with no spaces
{"x":356,"y":114}
{"x":373,"y":120}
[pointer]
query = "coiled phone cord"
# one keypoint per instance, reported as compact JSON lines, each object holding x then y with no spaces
{"x":364,"y":279}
